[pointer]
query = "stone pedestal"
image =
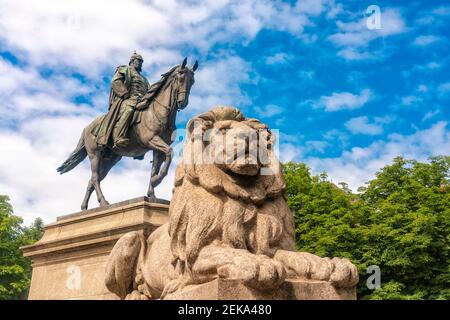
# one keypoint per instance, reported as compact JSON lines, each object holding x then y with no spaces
{"x":221,"y":289}
{"x":69,"y":261}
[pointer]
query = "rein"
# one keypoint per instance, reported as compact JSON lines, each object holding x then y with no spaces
{"x":168,"y":107}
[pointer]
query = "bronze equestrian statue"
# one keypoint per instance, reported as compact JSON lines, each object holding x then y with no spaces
{"x":140,"y":118}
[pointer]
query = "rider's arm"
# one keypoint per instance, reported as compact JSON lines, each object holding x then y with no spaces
{"x":118,"y":85}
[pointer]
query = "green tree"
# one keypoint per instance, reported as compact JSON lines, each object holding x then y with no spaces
{"x":399,"y":221}
{"x":15,"y":270}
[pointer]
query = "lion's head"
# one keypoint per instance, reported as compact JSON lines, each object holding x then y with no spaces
{"x":222,"y":139}
{"x":227,"y":177}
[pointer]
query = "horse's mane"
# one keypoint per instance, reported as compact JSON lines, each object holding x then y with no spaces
{"x":156,"y":87}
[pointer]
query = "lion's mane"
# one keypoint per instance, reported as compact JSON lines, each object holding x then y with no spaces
{"x":211,"y":205}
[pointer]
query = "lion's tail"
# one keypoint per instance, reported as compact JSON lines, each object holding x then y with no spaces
{"x":75,"y":157}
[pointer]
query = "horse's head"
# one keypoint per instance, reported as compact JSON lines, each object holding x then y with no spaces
{"x":172,"y":91}
{"x":184,"y":79}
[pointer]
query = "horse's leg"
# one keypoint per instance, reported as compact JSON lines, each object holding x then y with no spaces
{"x":156,"y":165}
{"x":168,"y":155}
{"x":91,"y":149}
{"x":96,"y":160}
{"x":89,"y":190}
{"x":105,"y":166}
{"x":158,"y":145}
{"x":159,"y":156}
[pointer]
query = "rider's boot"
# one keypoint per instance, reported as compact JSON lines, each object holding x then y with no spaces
{"x":122,"y":128}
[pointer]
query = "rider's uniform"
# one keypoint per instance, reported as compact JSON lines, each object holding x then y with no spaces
{"x":137,"y":87}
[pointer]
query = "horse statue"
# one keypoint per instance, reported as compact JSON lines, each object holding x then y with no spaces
{"x":152,"y":128}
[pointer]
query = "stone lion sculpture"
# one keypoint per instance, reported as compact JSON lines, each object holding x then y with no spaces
{"x":227,"y":219}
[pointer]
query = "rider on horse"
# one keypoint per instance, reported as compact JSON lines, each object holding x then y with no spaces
{"x":149,"y":129}
{"x":128,"y":86}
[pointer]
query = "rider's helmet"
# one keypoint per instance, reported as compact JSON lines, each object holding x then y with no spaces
{"x":135,"y":56}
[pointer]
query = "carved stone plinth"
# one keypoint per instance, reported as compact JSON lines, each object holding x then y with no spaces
{"x":221,"y":289}
{"x":69,"y":261}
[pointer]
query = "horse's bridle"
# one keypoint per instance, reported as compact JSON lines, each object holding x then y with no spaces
{"x":177,"y":93}
{"x":176,"y":99}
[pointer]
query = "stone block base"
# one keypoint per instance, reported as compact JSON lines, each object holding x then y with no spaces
{"x":221,"y":289}
{"x":69,"y":261}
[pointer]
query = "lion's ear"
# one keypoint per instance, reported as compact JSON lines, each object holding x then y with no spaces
{"x":197,"y":126}
{"x":191,"y":125}
{"x":194,"y":127}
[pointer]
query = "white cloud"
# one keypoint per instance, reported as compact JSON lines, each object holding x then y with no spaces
{"x":361,"y":125}
{"x":218,"y":82}
{"x":317,"y":146}
{"x":359,"y":164}
{"x":444,"y":87}
{"x":289,"y":152}
{"x":411,"y":100}
{"x":442,"y":11}
{"x":268,"y":111}
{"x":428,"y":67}
{"x":422,"y":41}
{"x":392,"y":23}
{"x":353,"y":37}
{"x":91,"y":35}
{"x":432,"y":65}
{"x":355,"y":54}
{"x":293,"y":147}
{"x":344,"y":100}
{"x":278,"y":58}
{"x":25,"y":93}
{"x":431,"y":114}
{"x":422,"y":88}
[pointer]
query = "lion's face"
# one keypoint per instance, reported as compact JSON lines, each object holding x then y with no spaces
{"x":233,"y":146}
{"x":223,"y":138}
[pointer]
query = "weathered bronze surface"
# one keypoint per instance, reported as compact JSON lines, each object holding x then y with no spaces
{"x":141,"y":117}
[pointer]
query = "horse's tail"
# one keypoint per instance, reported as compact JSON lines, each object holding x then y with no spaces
{"x":75,"y":157}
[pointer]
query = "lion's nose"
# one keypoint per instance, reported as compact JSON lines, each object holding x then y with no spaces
{"x":249,"y":168}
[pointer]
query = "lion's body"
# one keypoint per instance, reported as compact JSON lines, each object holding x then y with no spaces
{"x":222,"y":224}
{"x":245,"y":213}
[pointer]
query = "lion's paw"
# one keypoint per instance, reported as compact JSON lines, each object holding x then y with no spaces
{"x":256,"y":271}
{"x":240,"y":268}
{"x":345,"y":273}
{"x":340,"y":272}
{"x":271,"y":273}
{"x":136,"y":295}
{"x":172,"y":286}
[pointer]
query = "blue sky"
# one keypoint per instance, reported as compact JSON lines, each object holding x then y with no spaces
{"x":346,"y":99}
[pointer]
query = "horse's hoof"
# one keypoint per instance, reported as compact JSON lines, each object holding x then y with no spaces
{"x":83,"y":208}
{"x":104,"y":203}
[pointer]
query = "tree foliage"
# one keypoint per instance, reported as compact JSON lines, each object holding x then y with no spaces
{"x":399,"y":221}
{"x":15,"y":270}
